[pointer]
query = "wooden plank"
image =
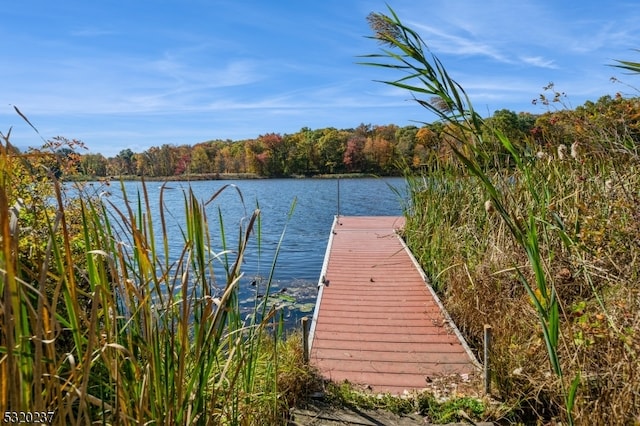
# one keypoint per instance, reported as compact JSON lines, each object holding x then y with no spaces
{"x":424,"y":359}
{"x":416,"y":335}
{"x":376,"y":322}
{"x":434,"y":344}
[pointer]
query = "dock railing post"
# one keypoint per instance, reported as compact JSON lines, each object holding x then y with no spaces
{"x":487,"y":367}
{"x":338,"y":212}
{"x":305,"y":339}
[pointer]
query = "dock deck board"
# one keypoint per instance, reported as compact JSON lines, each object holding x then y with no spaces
{"x":377,"y":323}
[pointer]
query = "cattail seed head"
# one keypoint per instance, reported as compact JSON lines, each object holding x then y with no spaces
{"x":488,"y":207}
{"x":561,"y":151}
{"x":574,"y":150}
{"x":608,"y":185}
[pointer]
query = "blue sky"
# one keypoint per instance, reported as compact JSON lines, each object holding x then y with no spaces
{"x":132,"y":74}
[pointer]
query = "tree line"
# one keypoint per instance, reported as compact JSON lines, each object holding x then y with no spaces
{"x":371,"y":149}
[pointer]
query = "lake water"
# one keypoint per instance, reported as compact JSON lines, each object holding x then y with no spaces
{"x":307,"y":230}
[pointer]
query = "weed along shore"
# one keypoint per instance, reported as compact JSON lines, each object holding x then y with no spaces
{"x":534,"y":235}
{"x":125,"y":332}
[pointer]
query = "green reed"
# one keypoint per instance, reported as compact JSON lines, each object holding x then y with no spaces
{"x":424,"y":74}
{"x":108,"y":326}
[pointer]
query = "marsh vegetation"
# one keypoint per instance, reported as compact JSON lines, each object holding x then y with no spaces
{"x":534,"y":234}
{"x":99,"y":322}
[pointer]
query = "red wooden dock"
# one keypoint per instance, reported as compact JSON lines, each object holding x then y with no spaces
{"x":377,"y":323}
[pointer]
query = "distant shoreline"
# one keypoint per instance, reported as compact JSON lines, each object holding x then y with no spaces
{"x":220,"y":176}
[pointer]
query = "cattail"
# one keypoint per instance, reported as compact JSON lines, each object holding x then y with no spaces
{"x":488,"y":207}
{"x":561,"y":150}
{"x":608,"y":185}
{"x":574,"y":150}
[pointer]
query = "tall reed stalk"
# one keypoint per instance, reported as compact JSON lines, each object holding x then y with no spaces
{"x":424,"y":75}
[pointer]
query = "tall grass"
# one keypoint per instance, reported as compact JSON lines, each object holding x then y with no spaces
{"x":108,"y":327}
{"x":515,"y":240}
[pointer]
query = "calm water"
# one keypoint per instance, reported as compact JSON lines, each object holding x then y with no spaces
{"x":307,"y":231}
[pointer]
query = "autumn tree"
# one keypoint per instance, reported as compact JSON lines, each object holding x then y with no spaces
{"x":354,"y":158}
{"x":28,"y":184}
{"x":165,"y":160}
{"x":255,"y":156}
{"x":615,"y":116}
{"x":421,"y":156}
{"x":93,"y":165}
{"x":303,"y":153}
{"x":235,"y":155}
{"x":274,"y":157}
{"x":331,"y":146}
{"x":123,"y":164}
{"x":202,"y":156}
{"x":387,"y":132}
{"x":516,"y":127}
{"x":182,"y":160}
{"x":364,"y":130}
{"x":149,"y":162}
{"x":379,"y":150}
{"x":405,"y":142}
{"x":222,"y":161}
{"x":554,"y":128}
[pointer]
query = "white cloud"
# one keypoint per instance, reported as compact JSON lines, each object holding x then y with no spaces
{"x":450,"y":43}
{"x":539,"y":61}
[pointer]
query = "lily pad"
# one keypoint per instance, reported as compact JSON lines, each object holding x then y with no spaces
{"x":306,"y":307}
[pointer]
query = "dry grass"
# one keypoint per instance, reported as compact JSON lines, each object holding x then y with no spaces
{"x":472,"y":257}
{"x":541,"y":245}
